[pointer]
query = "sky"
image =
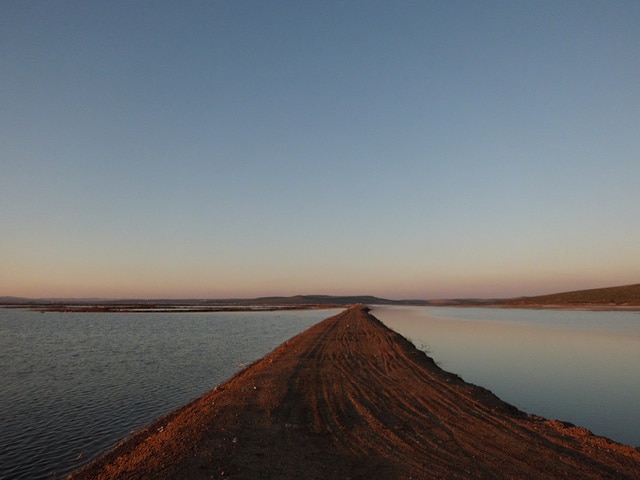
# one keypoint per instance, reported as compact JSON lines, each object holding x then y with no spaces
{"x":216,"y":149}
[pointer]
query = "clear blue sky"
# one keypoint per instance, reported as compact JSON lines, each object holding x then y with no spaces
{"x":401,"y":149}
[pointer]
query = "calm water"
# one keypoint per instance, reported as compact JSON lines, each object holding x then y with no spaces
{"x":73,"y":384}
{"x":577,"y":366}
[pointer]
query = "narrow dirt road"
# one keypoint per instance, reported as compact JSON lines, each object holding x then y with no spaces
{"x":351,"y":399}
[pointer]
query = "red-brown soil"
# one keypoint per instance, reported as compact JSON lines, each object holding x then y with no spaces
{"x":350,"y":399}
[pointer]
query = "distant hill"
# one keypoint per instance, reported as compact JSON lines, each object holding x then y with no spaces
{"x":333,"y":300}
{"x":92,"y":304}
{"x":626,"y":295}
{"x":615,"y":296}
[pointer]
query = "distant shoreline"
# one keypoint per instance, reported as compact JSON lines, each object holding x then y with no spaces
{"x":625,"y":297}
{"x":100,"y":308}
{"x":161,"y":308}
{"x":538,"y":306}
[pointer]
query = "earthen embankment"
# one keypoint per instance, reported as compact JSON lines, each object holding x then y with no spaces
{"x":349,"y":398}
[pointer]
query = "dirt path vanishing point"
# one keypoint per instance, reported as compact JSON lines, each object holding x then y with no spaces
{"x":351,"y":399}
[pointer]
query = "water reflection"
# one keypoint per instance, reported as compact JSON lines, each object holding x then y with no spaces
{"x":580,"y":367}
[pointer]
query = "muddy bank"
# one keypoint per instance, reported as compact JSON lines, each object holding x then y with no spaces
{"x":349,"y":398}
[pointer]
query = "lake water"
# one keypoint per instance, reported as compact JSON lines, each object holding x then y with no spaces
{"x":73,"y":384}
{"x":581,"y":367}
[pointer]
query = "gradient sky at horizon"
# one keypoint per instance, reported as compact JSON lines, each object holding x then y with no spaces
{"x":239,"y":149}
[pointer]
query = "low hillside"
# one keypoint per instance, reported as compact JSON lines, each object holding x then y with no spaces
{"x":622,"y":295}
{"x":333,"y":300}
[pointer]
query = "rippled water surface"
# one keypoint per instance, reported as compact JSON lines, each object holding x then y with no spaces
{"x":73,"y":384}
{"x":581,"y":367}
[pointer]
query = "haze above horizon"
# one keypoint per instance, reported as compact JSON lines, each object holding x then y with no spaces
{"x":246,"y":149}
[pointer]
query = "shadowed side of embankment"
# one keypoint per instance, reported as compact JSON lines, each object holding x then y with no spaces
{"x":349,"y":398}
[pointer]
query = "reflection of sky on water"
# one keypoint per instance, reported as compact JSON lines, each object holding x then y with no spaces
{"x":576,"y":366}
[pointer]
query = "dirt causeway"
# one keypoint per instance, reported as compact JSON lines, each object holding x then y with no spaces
{"x":351,"y":399}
